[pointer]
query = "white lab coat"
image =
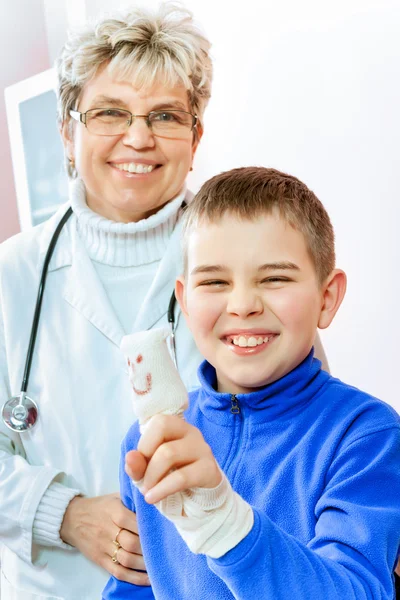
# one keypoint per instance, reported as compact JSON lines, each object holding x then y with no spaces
{"x":79,"y":381}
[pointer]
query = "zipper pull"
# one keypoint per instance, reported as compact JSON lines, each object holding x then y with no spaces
{"x":235,"y":408}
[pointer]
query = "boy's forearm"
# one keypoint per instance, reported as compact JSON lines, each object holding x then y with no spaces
{"x":269,"y":563}
{"x":352,"y":553}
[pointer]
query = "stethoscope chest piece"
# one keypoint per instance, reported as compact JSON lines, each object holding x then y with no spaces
{"x":20,"y":413}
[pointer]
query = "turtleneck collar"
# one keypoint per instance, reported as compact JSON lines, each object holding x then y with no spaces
{"x":123,"y":244}
{"x":270,"y":402}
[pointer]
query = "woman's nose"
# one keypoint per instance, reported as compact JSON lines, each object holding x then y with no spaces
{"x":245,"y":302}
{"x":139,"y":135}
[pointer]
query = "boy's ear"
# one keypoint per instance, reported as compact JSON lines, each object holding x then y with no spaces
{"x":333,"y":292}
{"x":180,"y":294}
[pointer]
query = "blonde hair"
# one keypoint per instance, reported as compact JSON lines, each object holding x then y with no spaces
{"x":250,"y":192}
{"x":141,"y":46}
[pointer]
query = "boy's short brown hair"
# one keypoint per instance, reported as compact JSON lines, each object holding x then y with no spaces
{"x":249,"y":192}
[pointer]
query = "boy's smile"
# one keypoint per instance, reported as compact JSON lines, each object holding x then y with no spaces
{"x":251,"y":298}
{"x":247,"y":341}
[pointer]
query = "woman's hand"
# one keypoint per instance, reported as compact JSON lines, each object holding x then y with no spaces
{"x":172,"y":456}
{"x":91,"y":525}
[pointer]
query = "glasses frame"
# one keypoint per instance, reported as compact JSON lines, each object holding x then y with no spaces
{"x":81,"y":117}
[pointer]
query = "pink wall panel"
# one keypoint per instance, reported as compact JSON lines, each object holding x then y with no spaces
{"x":24,"y":52}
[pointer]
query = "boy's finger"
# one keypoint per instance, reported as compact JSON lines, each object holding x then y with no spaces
{"x":135,"y":465}
{"x":197,"y":474}
{"x":160,"y":429}
{"x":168,"y":456}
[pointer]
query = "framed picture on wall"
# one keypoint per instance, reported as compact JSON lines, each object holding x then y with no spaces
{"x":37,"y":154}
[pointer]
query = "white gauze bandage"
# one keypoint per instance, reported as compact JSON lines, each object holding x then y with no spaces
{"x":210,"y":521}
{"x":156,"y":384}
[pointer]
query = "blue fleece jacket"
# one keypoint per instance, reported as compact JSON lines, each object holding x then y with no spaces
{"x":318,"y":461}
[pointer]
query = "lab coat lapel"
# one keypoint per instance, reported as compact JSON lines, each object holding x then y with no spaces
{"x":155,"y":304}
{"x":86,"y":294}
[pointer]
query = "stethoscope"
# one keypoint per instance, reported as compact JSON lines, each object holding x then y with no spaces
{"x":20,"y":413}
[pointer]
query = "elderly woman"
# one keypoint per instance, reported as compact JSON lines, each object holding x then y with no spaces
{"x":132,"y":93}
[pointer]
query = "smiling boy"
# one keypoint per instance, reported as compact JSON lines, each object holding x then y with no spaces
{"x":289,"y":477}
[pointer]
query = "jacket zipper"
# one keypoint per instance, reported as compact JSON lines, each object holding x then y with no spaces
{"x":236,"y":410}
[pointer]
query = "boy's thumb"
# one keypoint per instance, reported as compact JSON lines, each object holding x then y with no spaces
{"x":135,"y":465}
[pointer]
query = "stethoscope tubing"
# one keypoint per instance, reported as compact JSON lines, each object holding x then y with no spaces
{"x":20,"y":412}
{"x":38,"y":307}
{"x":171,"y":311}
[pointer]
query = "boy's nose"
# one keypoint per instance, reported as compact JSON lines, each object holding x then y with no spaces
{"x":244,"y":303}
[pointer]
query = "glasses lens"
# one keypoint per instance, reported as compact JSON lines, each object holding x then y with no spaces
{"x":171,"y":123}
{"x":107,"y":121}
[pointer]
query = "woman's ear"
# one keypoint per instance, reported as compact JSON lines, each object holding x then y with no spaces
{"x":197,"y":137}
{"x":66,"y":135}
{"x":180,"y":294}
{"x":333,"y":291}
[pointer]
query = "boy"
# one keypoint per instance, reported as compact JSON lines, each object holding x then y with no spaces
{"x":292,"y":488}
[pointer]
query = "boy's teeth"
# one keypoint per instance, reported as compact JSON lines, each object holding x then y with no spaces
{"x":135,"y":167}
{"x":249,"y":342}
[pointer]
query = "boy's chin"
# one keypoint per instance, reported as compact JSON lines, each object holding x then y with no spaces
{"x":246,"y":385}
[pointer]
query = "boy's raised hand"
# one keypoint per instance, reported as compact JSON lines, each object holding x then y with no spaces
{"x":175,"y":470}
{"x":172,"y":456}
{"x":173,"y":466}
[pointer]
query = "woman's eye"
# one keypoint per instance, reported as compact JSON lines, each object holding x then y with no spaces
{"x":110,"y":113}
{"x":166,"y":117}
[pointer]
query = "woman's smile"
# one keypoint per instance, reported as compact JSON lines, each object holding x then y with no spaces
{"x":135,"y":170}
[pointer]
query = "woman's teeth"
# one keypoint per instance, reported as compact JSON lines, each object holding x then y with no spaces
{"x":135,"y":168}
{"x":249,"y":342}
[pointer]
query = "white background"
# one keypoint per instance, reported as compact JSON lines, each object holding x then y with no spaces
{"x":312,"y":87}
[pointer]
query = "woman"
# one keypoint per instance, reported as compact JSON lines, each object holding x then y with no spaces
{"x":112,"y":272}
{"x":132,"y":93}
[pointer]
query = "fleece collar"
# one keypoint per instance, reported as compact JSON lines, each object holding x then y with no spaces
{"x":276,"y":400}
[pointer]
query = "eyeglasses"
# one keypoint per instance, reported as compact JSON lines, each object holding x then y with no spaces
{"x":116,"y":121}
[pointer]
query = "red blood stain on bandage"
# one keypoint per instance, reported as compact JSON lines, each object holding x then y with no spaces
{"x":139,"y":359}
{"x":148,"y":386}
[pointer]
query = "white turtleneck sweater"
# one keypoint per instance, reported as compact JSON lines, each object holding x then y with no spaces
{"x":126,"y":257}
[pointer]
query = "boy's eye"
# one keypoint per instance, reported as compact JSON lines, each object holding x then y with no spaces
{"x":275,"y":279}
{"x":211,"y":282}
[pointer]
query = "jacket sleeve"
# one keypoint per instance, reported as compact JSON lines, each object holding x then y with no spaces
{"x":357,"y":535}
{"x":116,"y":589}
{"x":27,"y":493}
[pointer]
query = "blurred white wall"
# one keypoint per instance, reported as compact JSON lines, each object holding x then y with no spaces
{"x":313,"y":88}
